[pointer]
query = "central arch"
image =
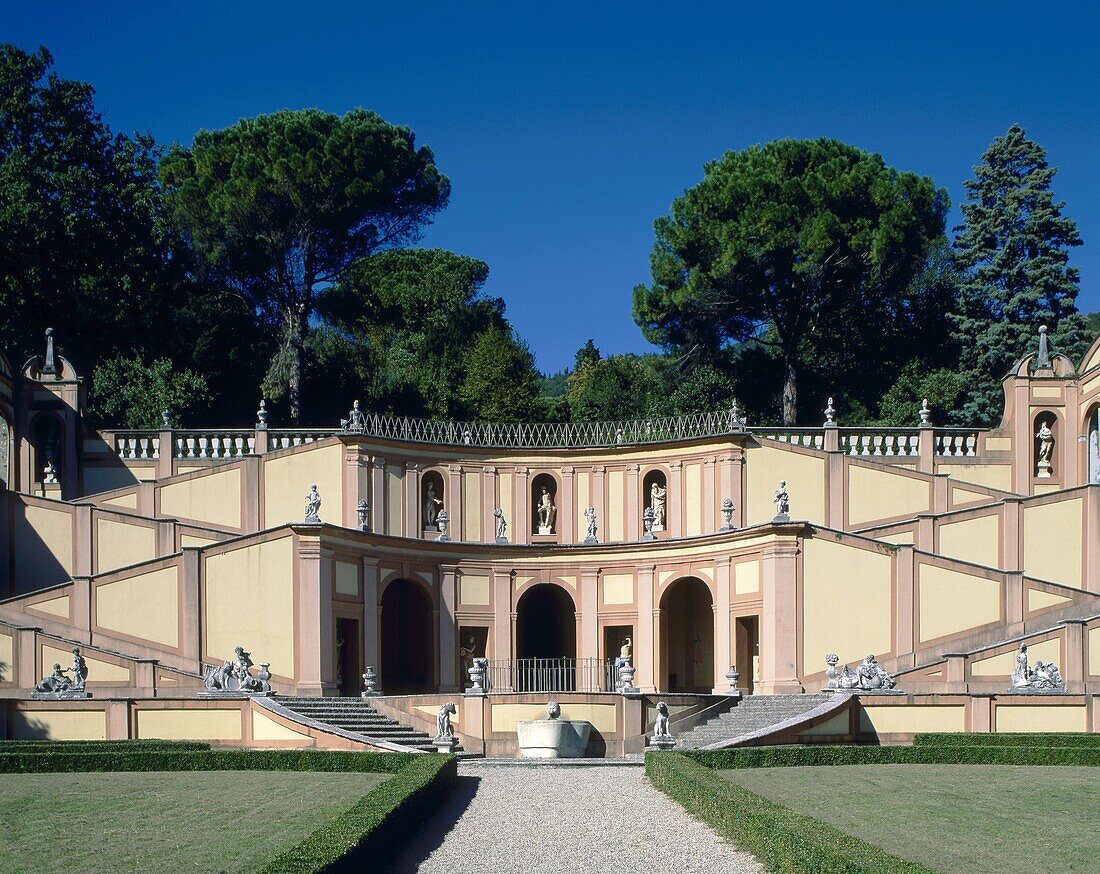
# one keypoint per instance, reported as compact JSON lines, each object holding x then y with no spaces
{"x":407,"y":663}
{"x":546,"y":640}
{"x":687,"y":636}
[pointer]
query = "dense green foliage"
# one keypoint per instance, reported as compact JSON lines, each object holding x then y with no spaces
{"x":130,"y":392}
{"x":780,"y":838}
{"x":1010,"y":739}
{"x":809,"y":247}
{"x":827,"y":754}
{"x":1012,"y":252}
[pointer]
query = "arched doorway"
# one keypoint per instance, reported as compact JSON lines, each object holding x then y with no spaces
{"x":407,"y":639}
{"x":687,"y":637}
{"x":1092,"y":428}
{"x":546,"y":640}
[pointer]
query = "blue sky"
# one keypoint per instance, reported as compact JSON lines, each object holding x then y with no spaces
{"x":567,"y":130}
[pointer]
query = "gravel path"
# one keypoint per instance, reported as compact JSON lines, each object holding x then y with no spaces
{"x":591,"y":819}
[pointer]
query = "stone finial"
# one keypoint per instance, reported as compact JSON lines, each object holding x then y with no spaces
{"x":618,"y":436}
{"x":727,"y":515}
{"x":361,"y":511}
{"x":370,"y":683}
{"x":1042,"y":360}
{"x":50,"y":363}
{"x":830,"y":415}
{"x":733,"y":677}
{"x":313,"y":505}
{"x":925,"y":414}
{"x":441,"y":521}
{"x":166,"y":420}
{"x":261,"y":416}
{"x":648,"y":518}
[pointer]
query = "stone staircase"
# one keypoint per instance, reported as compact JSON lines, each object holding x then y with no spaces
{"x":753,"y":713}
{"x":353,"y":714}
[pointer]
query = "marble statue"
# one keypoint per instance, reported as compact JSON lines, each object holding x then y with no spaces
{"x":235,"y":675}
{"x":727,"y":515}
{"x":466,"y":653}
{"x":657,"y":494}
{"x":873,"y":676}
{"x":1042,"y":676}
{"x":432,"y":506}
{"x":553,"y":710}
{"x":313,"y":505}
{"x":79,"y":670}
{"x":1046,"y":448}
{"x":502,"y":525}
{"x":56,"y":682}
{"x":845,"y":679}
{"x":444,"y":729}
{"x":782,"y":503}
{"x":356,"y":422}
{"x":624,"y":650}
{"x":547,"y":512}
{"x":648,"y":518}
{"x":660,"y":726}
{"x":361,"y":511}
{"x":59,"y":685}
{"x":590,"y":534}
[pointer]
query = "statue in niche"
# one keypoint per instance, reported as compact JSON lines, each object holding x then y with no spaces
{"x":443,"y":726}
{"x":313,"y":505}
{"x":467,"y":652}
{"x":845,"y":679}
{"x":657,"y":494}
{"x":547,"y":512}
{"x":873,"y":676}
{"x":1046,"y":448}
{"x":1094,"y":453}
{"x":432,"y":506}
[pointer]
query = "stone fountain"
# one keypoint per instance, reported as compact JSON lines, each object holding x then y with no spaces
{"x":553,"y":737}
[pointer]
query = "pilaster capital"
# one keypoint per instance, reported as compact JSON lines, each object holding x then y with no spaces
{"x":379,"y":462}
{"x":675,"y":465}
{"x":489,"y":470}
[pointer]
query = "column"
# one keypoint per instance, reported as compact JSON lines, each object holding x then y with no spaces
{"x":645,"y":649}
{"x":489,"y":504}
{"x":708,"y":499}
{"x":412,"y":523}
{"x":723,"y":639}
{"x":500,"y":648}
{"x":567,"y":506}
{"x":589,"y":596}
{"x":675,"y":505}
{"x":377,"y":516}
{"x":835,"y":470}
{"x":905,"y":603}
{"x":633,"y":486}
{"x":372,"y":649}
{"x":448,"y":653}
{"x":599,"y":501}
{"x":522,"y":525}
{"x":1076,"y":655}
{"x":356,"y":483}
{"x":317,"y":669}
{"x":1092,"y":539}
{"x":778,"y":622}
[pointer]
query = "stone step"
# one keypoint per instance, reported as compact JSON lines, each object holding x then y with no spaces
{"x":353,"y":714}
{"x":752,"y":714}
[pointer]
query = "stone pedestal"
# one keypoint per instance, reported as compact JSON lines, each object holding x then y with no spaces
{"x":60,"y":696}
{"x":552,"y":738}
{"x":662,"y":743}
{"x":445,"y":745}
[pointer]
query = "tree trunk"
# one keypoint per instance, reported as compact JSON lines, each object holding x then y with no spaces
{"x":296,"y":348}
{"x":790,"y":393}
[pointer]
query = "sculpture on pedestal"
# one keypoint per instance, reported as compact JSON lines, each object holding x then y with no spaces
{"x":727,"y":515}
{"x":1041,"y":677}
{"x":547,"y":511}
{"x":844,"y":679}
{"x":502,"y":525}
{"x":1045,"y":436}
{"x":361,"y":511}
{"x":313,"y":505}
{"x":657,"y":494}
{"x":590,"y":534}
{"x":442,"y":521}
{"x":782,"y":503}
{"x":444,"y":729}
{"x":59,"y":685}
{"x":873,"y":676}
{"x":662,"y":737}
{"x":356,"y":422}
{"x":235,"y":676}
{"x":648,"y":518}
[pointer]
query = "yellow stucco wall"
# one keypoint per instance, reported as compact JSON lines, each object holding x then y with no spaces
{"x":1037,"y":599}
{"x":833,"y":726}
{"x":144,"y":605}
{"x":975,"y":540}
{"x":882,"y":494}
{"x":616,"y":506}
{"x":1002,"y":665}
{"x":58,"y":607}
{"x":765,"y":466}
{"x":287,"y":479}
{"x":121,"y":544}
{"x":997,"y":476}
{"x":505,"y":716}
{"x":189,"y":724}
{"x":128,"y":502}
{"x":998,"y":444}
{"x":1039,"y":718}
{"x":99,"y":671}
{"x":504,"y":489}
{"x":250,"y":600}
{"x":746,"y":577}
{"x":41,"y":536}
{"x":473,"y":589}
{"x":214,"y":498}
{"x":618,"y":588}
{"x":395,"y":500}
{"x":835,"y":578}
{"x":584,"y":499}
{"x":952,"y":601}
{"x":900,"y":537}
{"x":58,"y":725}
{"x":195,"y":540}
{"x":266,"y":728}
{"x":1052,"y":541}
{"x":471,"y":505}
{"x":7,"y":653}
{"x":693,"y":499}
{"x":1094,"y":652}
{"x":912,"y":718}
{"x":965,"y":496}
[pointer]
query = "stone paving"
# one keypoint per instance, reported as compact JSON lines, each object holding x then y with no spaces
{"x":592,"y":819}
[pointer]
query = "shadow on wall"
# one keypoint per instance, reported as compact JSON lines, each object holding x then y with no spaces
{"x":32,"y":563}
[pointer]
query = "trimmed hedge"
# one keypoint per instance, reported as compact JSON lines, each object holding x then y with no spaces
{"x":377,"y":824}
{"x":792,"y":756}
{"x":85,"y":746}
{"x":963,"y":739}
{"x":780,"y":838}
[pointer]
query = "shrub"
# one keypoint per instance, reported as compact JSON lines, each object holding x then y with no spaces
{"x":791,"y":756}
{"x":1053,"y":739}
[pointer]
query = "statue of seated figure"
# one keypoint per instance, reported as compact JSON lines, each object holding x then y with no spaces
{"x":56,"y":682}
{"x":872,"y":675}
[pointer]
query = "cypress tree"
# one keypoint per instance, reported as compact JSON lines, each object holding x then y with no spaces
{"x":1012,"y":253}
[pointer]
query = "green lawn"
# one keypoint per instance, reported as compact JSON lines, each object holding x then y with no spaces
{"x":165,"y":821}
{"x":1002,"y":818}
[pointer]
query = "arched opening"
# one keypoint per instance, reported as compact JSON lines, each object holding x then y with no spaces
{"x":46,"y":442}
{"x":431,"y":499}
{"x":1092,"y":429}
{"x":546,"y":640}
{"x":544,"y":504}
{"x":654,"y":497}
{"x":6,"y":454}
{"x":687,"y":636}
{"x":407,"y":638}
{"x":1045,"y":438}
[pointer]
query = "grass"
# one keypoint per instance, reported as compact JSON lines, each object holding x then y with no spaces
{"x":1001,"y":818}
{"x":166,"y":821}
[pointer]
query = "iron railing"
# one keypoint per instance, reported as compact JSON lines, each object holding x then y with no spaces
{"x":552,"y":675}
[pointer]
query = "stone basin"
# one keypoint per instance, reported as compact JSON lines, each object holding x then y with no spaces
{"x":552,"y":738}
